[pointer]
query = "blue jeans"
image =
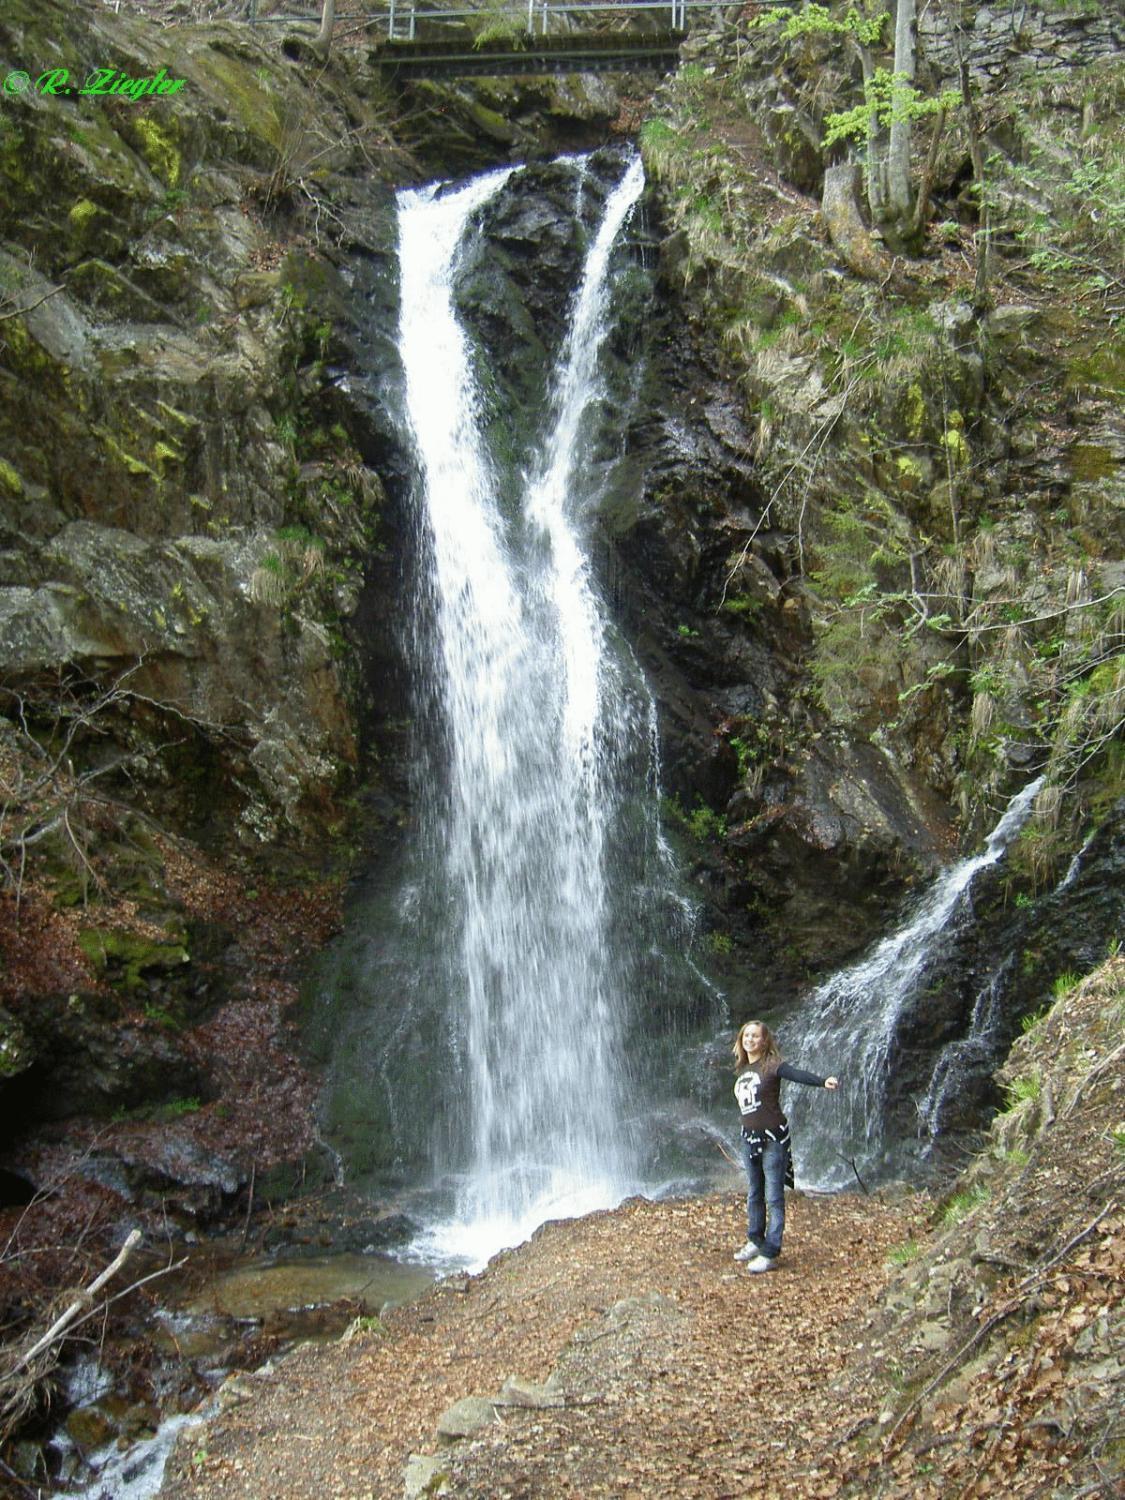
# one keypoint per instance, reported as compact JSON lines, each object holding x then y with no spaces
{"x":765,"y":1200}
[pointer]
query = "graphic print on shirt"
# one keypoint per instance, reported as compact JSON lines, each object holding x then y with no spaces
{"x":748,"y":1092}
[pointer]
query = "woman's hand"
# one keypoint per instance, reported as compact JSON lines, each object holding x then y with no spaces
{"x":831,"y":1083}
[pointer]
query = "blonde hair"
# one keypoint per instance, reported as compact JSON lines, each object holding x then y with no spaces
{"x":769,"y":1054}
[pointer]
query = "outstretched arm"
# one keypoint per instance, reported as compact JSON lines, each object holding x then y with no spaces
{"x":814,"y":1080}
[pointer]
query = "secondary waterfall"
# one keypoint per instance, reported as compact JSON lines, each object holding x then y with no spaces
{"x":545,"y":723}
{"x":850,"y":1026}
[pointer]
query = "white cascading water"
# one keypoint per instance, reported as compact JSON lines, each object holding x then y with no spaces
{"x":970,"y":1054}
{"x":539,"y":719}
{"x":848,"y":1025}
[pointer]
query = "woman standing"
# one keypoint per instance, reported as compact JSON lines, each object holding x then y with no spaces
{"x":765,"y":1139}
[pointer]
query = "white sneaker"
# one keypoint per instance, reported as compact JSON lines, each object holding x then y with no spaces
{"x":760,"y":1263}
{"x":749,"y":1251}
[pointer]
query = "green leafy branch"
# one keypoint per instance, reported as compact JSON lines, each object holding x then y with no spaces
{"x":888,"y":98}
{"x":818,"y":20}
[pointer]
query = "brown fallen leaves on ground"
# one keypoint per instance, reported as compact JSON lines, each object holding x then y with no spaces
{"x":723,"y":1391}
{"x":677,"y":1374}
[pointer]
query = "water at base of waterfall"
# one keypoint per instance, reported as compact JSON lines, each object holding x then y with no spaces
{"x":467,"y":1240}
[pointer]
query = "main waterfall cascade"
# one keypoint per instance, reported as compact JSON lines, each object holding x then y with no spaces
{"x":493,"y":1004}
{"x":539,"y":721}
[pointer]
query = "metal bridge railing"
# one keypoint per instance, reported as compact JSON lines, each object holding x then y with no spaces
{"x":401,"y":17}
{"x":542,"y":11}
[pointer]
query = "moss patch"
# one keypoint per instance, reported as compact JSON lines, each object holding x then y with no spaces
{"x":159,"y":147}
{"x":124,"y":957}
{"x":81,"y":215}
{"x":10,"y":481}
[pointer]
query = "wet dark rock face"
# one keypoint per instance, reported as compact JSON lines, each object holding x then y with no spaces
{"x":203,"y":497}
{"x":804,"y":861}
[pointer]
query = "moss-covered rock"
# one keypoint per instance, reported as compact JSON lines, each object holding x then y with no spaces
{"x":125,"y":958}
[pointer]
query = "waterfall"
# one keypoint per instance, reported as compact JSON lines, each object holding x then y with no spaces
{"x":543,"y":718}
{"x":969,"y":1055}
{"x":851,"y":1024}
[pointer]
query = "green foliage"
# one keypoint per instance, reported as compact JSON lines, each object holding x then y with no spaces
{"x":818,"y":20}
{"x":1063,"y":668}
{"x":161,"y":1016}
{"x":747,"y":754}
{"x":692,"y":82}
{"x":844,"y":552}
{"x":961,"y":1205}
{"x":746,"y":605}
{"x":887,"y":98}
{"x":1014,"y":1156}
{"x":1028,"y":1086}
{"x":367,"y":1324}
{"x":936,"y":672}
{"x":173,"y":1109}
{"x":293,"y":299}
{"x":1034,"y":1020}
{"x":661,"y":146}
{"x":705,"y":823}
{"x":499,"y":22}
{"x":282,"y":575}
{"x":904,"y":1254}
{"x":1064,"y":984}
{"x":854,"y":660}
{"x":1090,"y":220}
{"x":859,"y":656}
{"x":702,"y":822}
{"x":177,"y":1107}
{"x":300,"y":536}
{"x":720,"y":943}
{"x":706,"y":183}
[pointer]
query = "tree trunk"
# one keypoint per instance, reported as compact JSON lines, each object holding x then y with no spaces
{"x":324,"y":35}
{"x":840,"y":207}
{"x":981,"y":295}
{"x":900,"y":195}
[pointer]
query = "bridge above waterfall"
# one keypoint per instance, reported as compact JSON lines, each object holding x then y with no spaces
{"x":415,"y":40}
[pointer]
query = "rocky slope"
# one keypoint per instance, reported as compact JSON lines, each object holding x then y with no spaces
{"x":892,"y":549}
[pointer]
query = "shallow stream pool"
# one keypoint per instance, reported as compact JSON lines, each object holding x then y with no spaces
{"x":219,"y":1313}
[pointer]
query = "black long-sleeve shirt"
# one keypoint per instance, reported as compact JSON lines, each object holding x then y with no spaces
{"x":758,"y":1091}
